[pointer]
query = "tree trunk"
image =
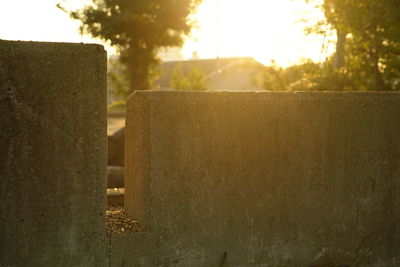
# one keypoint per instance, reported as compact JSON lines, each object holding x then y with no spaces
{"x":138,"y":62}
{"x":380,"y":84}
{"x":339,"y":60}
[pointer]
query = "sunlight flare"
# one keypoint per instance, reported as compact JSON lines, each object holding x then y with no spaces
{"x":268,"y":30}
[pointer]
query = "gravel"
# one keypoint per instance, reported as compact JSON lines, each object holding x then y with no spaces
{"x":118,"y":222}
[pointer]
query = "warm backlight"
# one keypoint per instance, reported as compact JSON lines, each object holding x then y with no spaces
{"x":264,"y":29}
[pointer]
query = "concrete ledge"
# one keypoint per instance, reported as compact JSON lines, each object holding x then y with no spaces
{"x":256,"y":179}
{"x":52,"y":154}
{"x":134,"y":249}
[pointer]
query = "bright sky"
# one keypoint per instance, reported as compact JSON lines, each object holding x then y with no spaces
{"x":38,"y":20}
{"x":263,"y":29}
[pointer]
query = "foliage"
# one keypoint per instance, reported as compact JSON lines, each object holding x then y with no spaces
{"x":306,"y":76}
{"x":310,"y":76}
{"x":271,"y":79}
{"x":138,"y":29}
{"x":116,"y":73}
{"x":368,"y":47}
{"x":195,"y":80}
{"x":178,"y":79}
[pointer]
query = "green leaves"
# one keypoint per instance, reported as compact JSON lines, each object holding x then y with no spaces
{"x":138,"y":29}
{"x":194,"y":81}
{"x":368,"y":45}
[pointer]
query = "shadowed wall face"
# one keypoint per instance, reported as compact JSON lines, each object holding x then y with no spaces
{"x":265,"y":178}
{"x":52,"y":154}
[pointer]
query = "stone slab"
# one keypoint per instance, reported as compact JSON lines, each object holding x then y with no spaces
{"x":52,"y":154}
{"x":265,"y":179}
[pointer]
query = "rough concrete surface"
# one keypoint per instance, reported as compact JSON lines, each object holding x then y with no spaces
{"x":52,"y":160}
{"x":262,"y":179}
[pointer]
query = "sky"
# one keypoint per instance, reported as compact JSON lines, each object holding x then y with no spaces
{"x":268,"y":30}
{"x":38,"y":20}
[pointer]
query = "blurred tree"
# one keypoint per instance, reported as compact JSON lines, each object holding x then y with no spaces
{"x":368,"y":43}
{"x":116,"y":82}
{"x":194,"y":81}
{"x":271,"y":78}
{"x":178,"y":79}
{"x":138,"y":29}
{"x":305,"y":76}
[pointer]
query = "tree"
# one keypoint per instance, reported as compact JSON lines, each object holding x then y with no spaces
{"x":368,"y":45}
{"x":116,"y":73}
{"x":271,"y":79}
{"x":194,"y":81}
{"x":178,"y":79}
{"x":305,"y":76}
{"x":138,"y":29}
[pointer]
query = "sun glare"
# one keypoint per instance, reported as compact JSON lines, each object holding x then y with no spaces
{"x":40,"y":21}
{"x":268,"y":30}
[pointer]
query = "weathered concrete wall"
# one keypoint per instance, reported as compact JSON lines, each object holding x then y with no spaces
{"x":52,"y":154}
{"x":262,"y":179}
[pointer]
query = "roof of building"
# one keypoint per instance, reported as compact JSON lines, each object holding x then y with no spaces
{"x":209,"y":66}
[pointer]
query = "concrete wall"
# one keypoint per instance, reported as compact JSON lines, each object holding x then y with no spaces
{"x":52,"y":154}
{"x":262,"y":179}
{"x":217,"y":179}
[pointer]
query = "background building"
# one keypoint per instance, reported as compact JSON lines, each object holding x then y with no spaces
{"x":224,"y":74}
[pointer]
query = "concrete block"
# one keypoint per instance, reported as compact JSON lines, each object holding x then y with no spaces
{"x":265,"y":179}
{"x":52,"y":154}
{"x":133,"y":249}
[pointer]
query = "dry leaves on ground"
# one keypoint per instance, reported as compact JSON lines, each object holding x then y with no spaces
{"x":118,"y":222}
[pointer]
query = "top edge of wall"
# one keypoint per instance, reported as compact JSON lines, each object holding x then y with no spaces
{"x":18,"y":43}
{"x":269,"y":93}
